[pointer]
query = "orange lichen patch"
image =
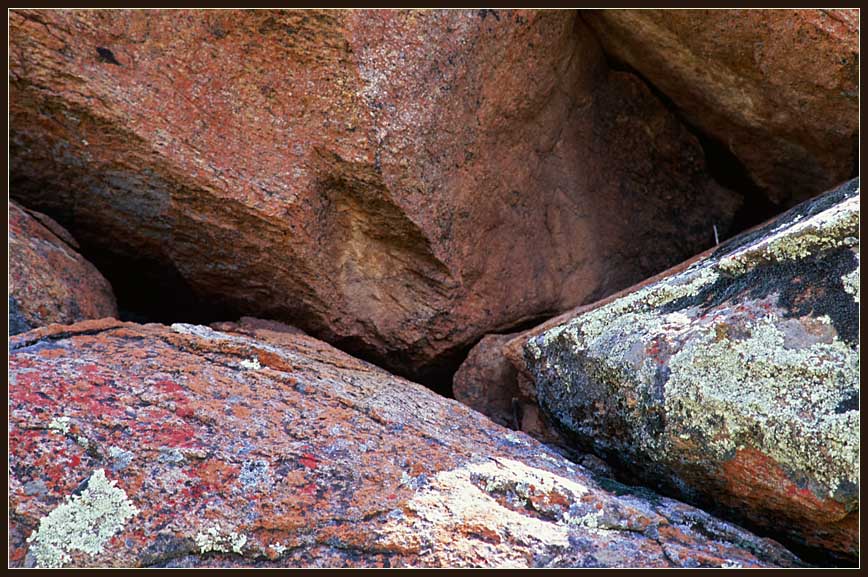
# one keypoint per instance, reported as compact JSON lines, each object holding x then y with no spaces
{"x":760,"y":479}
{"x":674,"y":534}
{"x":213,"y":472}
{"x":481,"y":532}
{"x":240,"y":411}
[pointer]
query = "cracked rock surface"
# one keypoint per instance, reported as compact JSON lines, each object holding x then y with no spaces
{"x":183,"y":446}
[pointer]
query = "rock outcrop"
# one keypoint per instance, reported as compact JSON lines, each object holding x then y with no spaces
{"x":145,"y":445}
{"x":733,"y":383}
{"x":49,"y":282}
{"x":398,"y":183}
{"x":779,"y":89}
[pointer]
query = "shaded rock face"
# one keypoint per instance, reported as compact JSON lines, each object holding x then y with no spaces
{"x":372,"y":177}
{"x":488,"y":382}
{"x":733,"y":383}
{"x":144,"y":445}
{"x":49,"y":282}
{"x":777,"y":88}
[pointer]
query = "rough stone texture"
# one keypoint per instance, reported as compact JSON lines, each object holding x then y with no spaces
{"x":733,"y":383}
{"x":372,"y":177}
{"x":49,"y":282}
{"x":778,"y":88}
{"x":144,"y":445}
{"x":488,"y":382}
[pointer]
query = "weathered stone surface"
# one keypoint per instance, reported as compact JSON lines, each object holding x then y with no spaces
{"x":488,"y":382}
{"x":372,"y":177}
{"x":777,"y":88}
{"x":144,"y":445}
{"x":49,"y":282}
{"x":733,"y":383}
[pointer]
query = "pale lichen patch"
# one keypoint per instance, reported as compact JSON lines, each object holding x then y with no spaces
{"x":251,"y":364}
{"x":467,"y":496}
{"x":792,"y":395}
{"x":834,"y":227}
{"x":851,"y":280}
{"x":215,"y":539}
{"x":59,"y":424}
{"x":83,"y":522}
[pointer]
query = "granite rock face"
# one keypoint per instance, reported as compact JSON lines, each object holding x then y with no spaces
{"x":733,"y":383}
{"x":145,"y":445}
{"x":368,"y":176}
{"x":779,"y":89}
{"x":49,"y":282}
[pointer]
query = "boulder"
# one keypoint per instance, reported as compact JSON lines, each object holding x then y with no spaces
{"x":488,"y":382}
{"x":398,"y":183}
{"x":732,"y":383}
{"x":778,"y":89}
{"x":49,"y":282}
{"x":183,"y":446}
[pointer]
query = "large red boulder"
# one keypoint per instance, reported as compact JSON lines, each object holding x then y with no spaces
{"x":778,"y":89}
{"x":396,"y":182}
{"x":137,"y":445}
{"x":49,"y":281}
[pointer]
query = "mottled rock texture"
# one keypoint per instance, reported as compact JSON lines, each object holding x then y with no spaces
{"x":145,"y":445}
{"x":733,"y":383}
{"x":49,"y":282}
{"x":778,"y":88}
{"x":398,"y":183}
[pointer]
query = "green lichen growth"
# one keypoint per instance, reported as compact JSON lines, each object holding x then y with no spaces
{"x":835,"y":227}
{"x":753,"y":389}
{"x":83,"y":522}
{"x":792,"y":395}
{"x":214,"y":539}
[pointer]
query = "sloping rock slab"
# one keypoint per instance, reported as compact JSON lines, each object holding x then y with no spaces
{"x":371,"y":177}
{"x":733,"y":383}
{"x":189,"y":447}
{"x":49,"y":282}
{"x":779,"y":89}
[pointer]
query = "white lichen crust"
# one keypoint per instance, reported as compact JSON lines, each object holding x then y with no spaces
{"x":83,"y":522}
{"x":851,"y":280}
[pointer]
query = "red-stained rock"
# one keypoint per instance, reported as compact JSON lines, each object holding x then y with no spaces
{"x":137,"y":445}
{"x":49,"y":282}
{"x":733,"y":382}
{"x":398,"y":183}
{"x":778,"y":88}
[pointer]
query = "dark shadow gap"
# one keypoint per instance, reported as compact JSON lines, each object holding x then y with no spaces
{"x":720,"y":164}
